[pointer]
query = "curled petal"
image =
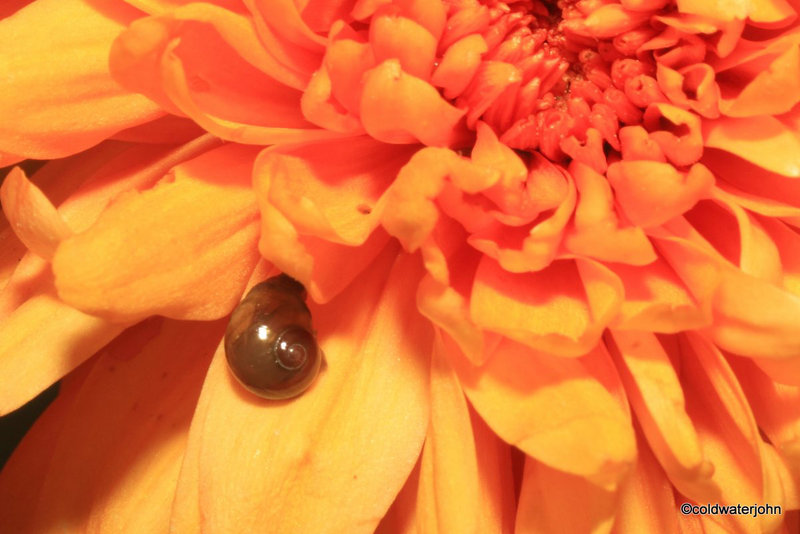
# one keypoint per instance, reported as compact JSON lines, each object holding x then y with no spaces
{"x":354,"y":436}
{"x":597,"y":231}
{"x":61,"y":98}
{"x":31,"y":215}
{"x":397,"y":37}
{"x":330,"y":190}
{"x":285,"y":18}
{"x":212,"y":247}
{"x":414,"y":213}
{"x":399,"y":108}
{"x":676,"y":131}
{"x":459,"y":65}
{"x":650,"y":193}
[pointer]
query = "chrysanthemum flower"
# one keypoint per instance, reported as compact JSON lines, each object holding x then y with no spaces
{"x":551,"y":252}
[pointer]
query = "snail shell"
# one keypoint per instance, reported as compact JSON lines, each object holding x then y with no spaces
{"x":270,"y":343}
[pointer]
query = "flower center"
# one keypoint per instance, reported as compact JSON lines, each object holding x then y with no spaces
{"x":559,"y":79}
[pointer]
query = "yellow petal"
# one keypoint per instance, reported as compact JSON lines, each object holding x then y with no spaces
{"x":554,"y":501}
{"x":129,"y":423}
{"x":646,"y":498}
{"x":465,"y":480}
{"x":23,"y":476}
{"x":43,"y":340}
{"x":196,"y":245}
{"x":657,"y":399}
{"x":568,"y":413}
{"x":762,"y":140}
{"x":561,"y":309}
{"x":34,"y":219}
{"x":61,"y":98}
{"x":334,"y":458}
{"x":399,"y":108}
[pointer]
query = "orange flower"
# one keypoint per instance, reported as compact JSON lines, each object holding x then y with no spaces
{"x":551,"y":251}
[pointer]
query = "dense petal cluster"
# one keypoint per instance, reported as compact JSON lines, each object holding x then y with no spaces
{"x":552,"y":251}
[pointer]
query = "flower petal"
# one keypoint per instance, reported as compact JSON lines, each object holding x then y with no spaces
{"x":465,"y":480}
{"x":776,"y":408}
{"x":196,"y":233}
{"x":61,"y":98}
{"x":129,"y":422}
{"x":762,"y":140}
{"x":399,"y":108}
{"x":656,"y":300}
{"x":23,"y":476}
{"x":561,"y":309}
{"x":330,"y":190}
{"x":34,"y":219}
{"x":727,"y":429}
{"x":555,"y":501}
{"x":335,"y":457}
{"x":597,"y":232}
{"x":41,"y":341}
{"x":650,"y":192}
{"x":564,"y":412}
{"x":646,"y":499}
{"x":772,"y":90}
{"x":656,"y":397}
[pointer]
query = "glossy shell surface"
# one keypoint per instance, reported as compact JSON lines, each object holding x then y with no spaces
{"x":270,"y":343}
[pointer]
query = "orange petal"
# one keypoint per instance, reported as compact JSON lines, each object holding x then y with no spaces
{"x":284,"y":18}
{"x":762,"y":140}
{"x":321,"y":108}
{"x":24,"y":474}
{"x":772,"y":90}
{"x":677,"y":133}
{"x":43,"y":340}
{"x":465,"y":482}
{"x":646,"y":499}
{"x":398,"y":37}
{"x":561,"y":309}
{"x":180,"y":248}
{"x":758,"y":183}
{"x":31,"y":215}
{"x":656,"y":300}
{"x":597,"y":231}
{"x":776,"y":408}
{"x":129,"y":423}
{"x":399,"y":108}
{"x":330,"y":190}
{"x":554,"y":501}
{"x":412,"y":197}
{"x":727,"y":430}
{"x":61,"y":98}
{"x":650,"y":193}
{"x":656,"y":397}
{"x":335,"y":457}
{"x":566,"y":413}
{"x":459,"y":64}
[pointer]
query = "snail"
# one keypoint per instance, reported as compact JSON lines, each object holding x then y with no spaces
{"x":270,"y":344}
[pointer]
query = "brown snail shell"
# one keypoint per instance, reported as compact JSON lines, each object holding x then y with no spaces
{"x":270,"y":343}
